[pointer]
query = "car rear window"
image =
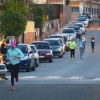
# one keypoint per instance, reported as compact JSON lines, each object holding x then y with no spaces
{"x":42,"y":45}
{"x":80,"y":25}
{"x":68,"y":31}
{"x":55,"y":36}
{"x":53,"y":42}
{"x":23,"y":48}
{"x":76,"y":28}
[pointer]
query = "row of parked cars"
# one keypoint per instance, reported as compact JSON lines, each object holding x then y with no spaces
{"x":54,"y":46}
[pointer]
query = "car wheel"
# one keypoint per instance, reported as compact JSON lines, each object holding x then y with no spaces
{"x":33,"y":67}
{"x":51,"y":60}
{"x":29,"y":68}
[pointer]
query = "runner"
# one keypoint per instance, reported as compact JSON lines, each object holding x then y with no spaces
{"x":72,"y":46}
{"x":84,"y":40}
{"x":81,"y":47}
{"x":92,"y":42}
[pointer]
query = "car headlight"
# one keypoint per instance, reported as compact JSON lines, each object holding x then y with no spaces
{"x":25,"y":58}
{"x":49,"y":53}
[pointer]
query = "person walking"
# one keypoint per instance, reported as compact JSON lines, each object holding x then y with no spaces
{"x":72,"y":46}
{"x":92,"y":42}
{"x":13,"y":56}
{"x":81,"y":47}
{"x":84,"y":40}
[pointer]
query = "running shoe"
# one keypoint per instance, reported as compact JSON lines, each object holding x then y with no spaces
{"x":12,"y":88}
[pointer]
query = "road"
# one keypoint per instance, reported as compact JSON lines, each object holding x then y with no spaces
{"x":64,"y":79}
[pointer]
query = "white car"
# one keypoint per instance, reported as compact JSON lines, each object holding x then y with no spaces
{"x":84,"y":20}
{"x":81,"y":25}
{"x":3,"y":70}
{"x":70,"y":31}
{"x":36,"y":55}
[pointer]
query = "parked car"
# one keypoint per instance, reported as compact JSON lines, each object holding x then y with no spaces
{"x":57,"y":36}
{"x":27,"y":63}
{"x":70,"y":31}
{"x":78,"y":30}
{"x":81,"y":26}
{"x":36,"y":55}
{"x":3,"y":70}
{"x":85,"y":16}
{"x":84,"y":20}
{"x":66,"y":40}
{"x":89,"y":16}
{"x":44,"y":50}
{"x":61,"y":41}
{"x":56,"y":46}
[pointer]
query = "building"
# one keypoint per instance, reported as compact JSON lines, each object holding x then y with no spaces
{"x":80,"y":6}
{"x":62,"y":9}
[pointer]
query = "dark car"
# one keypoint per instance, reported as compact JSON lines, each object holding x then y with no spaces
{"x":44,"y":50}
{"x":27,"y":63}
{"x":56,"y":46}
{"x":77,"y":30}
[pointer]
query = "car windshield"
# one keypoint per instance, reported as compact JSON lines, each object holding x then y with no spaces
{"x":76,"y":28}
{"x":56,"y":36}
{"x":53,"y":42}
{"x":33,"y":49}
{"x":80,"y":25}
{"x":23,"y":48}
{"x":82,"y":19}
{"x":42,"y":45}
{"x":68,"y":31}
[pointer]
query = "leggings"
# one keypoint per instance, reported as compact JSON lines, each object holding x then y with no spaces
{"x":72,"y":53}
{"x":81,"y":52}
{"x":14,"y":69}
{"x":92,"y":46}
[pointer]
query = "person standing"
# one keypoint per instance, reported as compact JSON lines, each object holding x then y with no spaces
{"x":13,"y":56}
{"x":81,"y":47}
{"x":72,"y":46}
{"x":92,"y":42}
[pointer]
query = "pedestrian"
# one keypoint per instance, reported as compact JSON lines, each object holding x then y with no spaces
{"x":72,"y":46}
{"x":92,"y":42}
{"x":84,"y":38}
{"x":81,"y":47}
{"x":13,"y":56}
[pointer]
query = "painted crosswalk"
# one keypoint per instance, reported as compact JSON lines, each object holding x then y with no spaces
{"x":56,"y":78}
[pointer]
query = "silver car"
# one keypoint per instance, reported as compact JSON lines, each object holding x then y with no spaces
{"x":70,"y":31}
{"x":3,"y":70}
{"x":36,"y":55}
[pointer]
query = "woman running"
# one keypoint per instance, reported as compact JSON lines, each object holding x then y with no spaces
{"x":92,"y":42}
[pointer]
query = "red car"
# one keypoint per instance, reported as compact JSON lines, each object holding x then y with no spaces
{"x":44,"y":50}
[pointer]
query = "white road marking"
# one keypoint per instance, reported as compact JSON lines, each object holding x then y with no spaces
{"x":53,"y":77}
{"x":76,"y":77}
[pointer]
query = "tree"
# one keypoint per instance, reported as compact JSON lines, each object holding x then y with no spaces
{"x":38,"y":12}
{"x":18,"y":5}
{"x":13,"y":15}
{"x":50,"y":11}
{"x":12,"y":22}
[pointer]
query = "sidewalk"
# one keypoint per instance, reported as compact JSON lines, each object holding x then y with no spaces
{"x":65,"y":26}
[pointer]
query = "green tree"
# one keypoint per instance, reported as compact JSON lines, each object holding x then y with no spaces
{"x":50,"y":11}
{"x":18,"y":5}
{"x":38,"y":12}
{"x":12,"y":22}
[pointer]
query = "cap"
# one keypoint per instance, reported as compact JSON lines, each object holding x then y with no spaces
{"x":13,"y":44}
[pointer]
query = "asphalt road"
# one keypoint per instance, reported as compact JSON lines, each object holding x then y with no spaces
{"x":64,"y":79}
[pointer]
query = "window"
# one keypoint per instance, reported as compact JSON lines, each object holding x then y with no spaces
{"x":75,"y":9}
